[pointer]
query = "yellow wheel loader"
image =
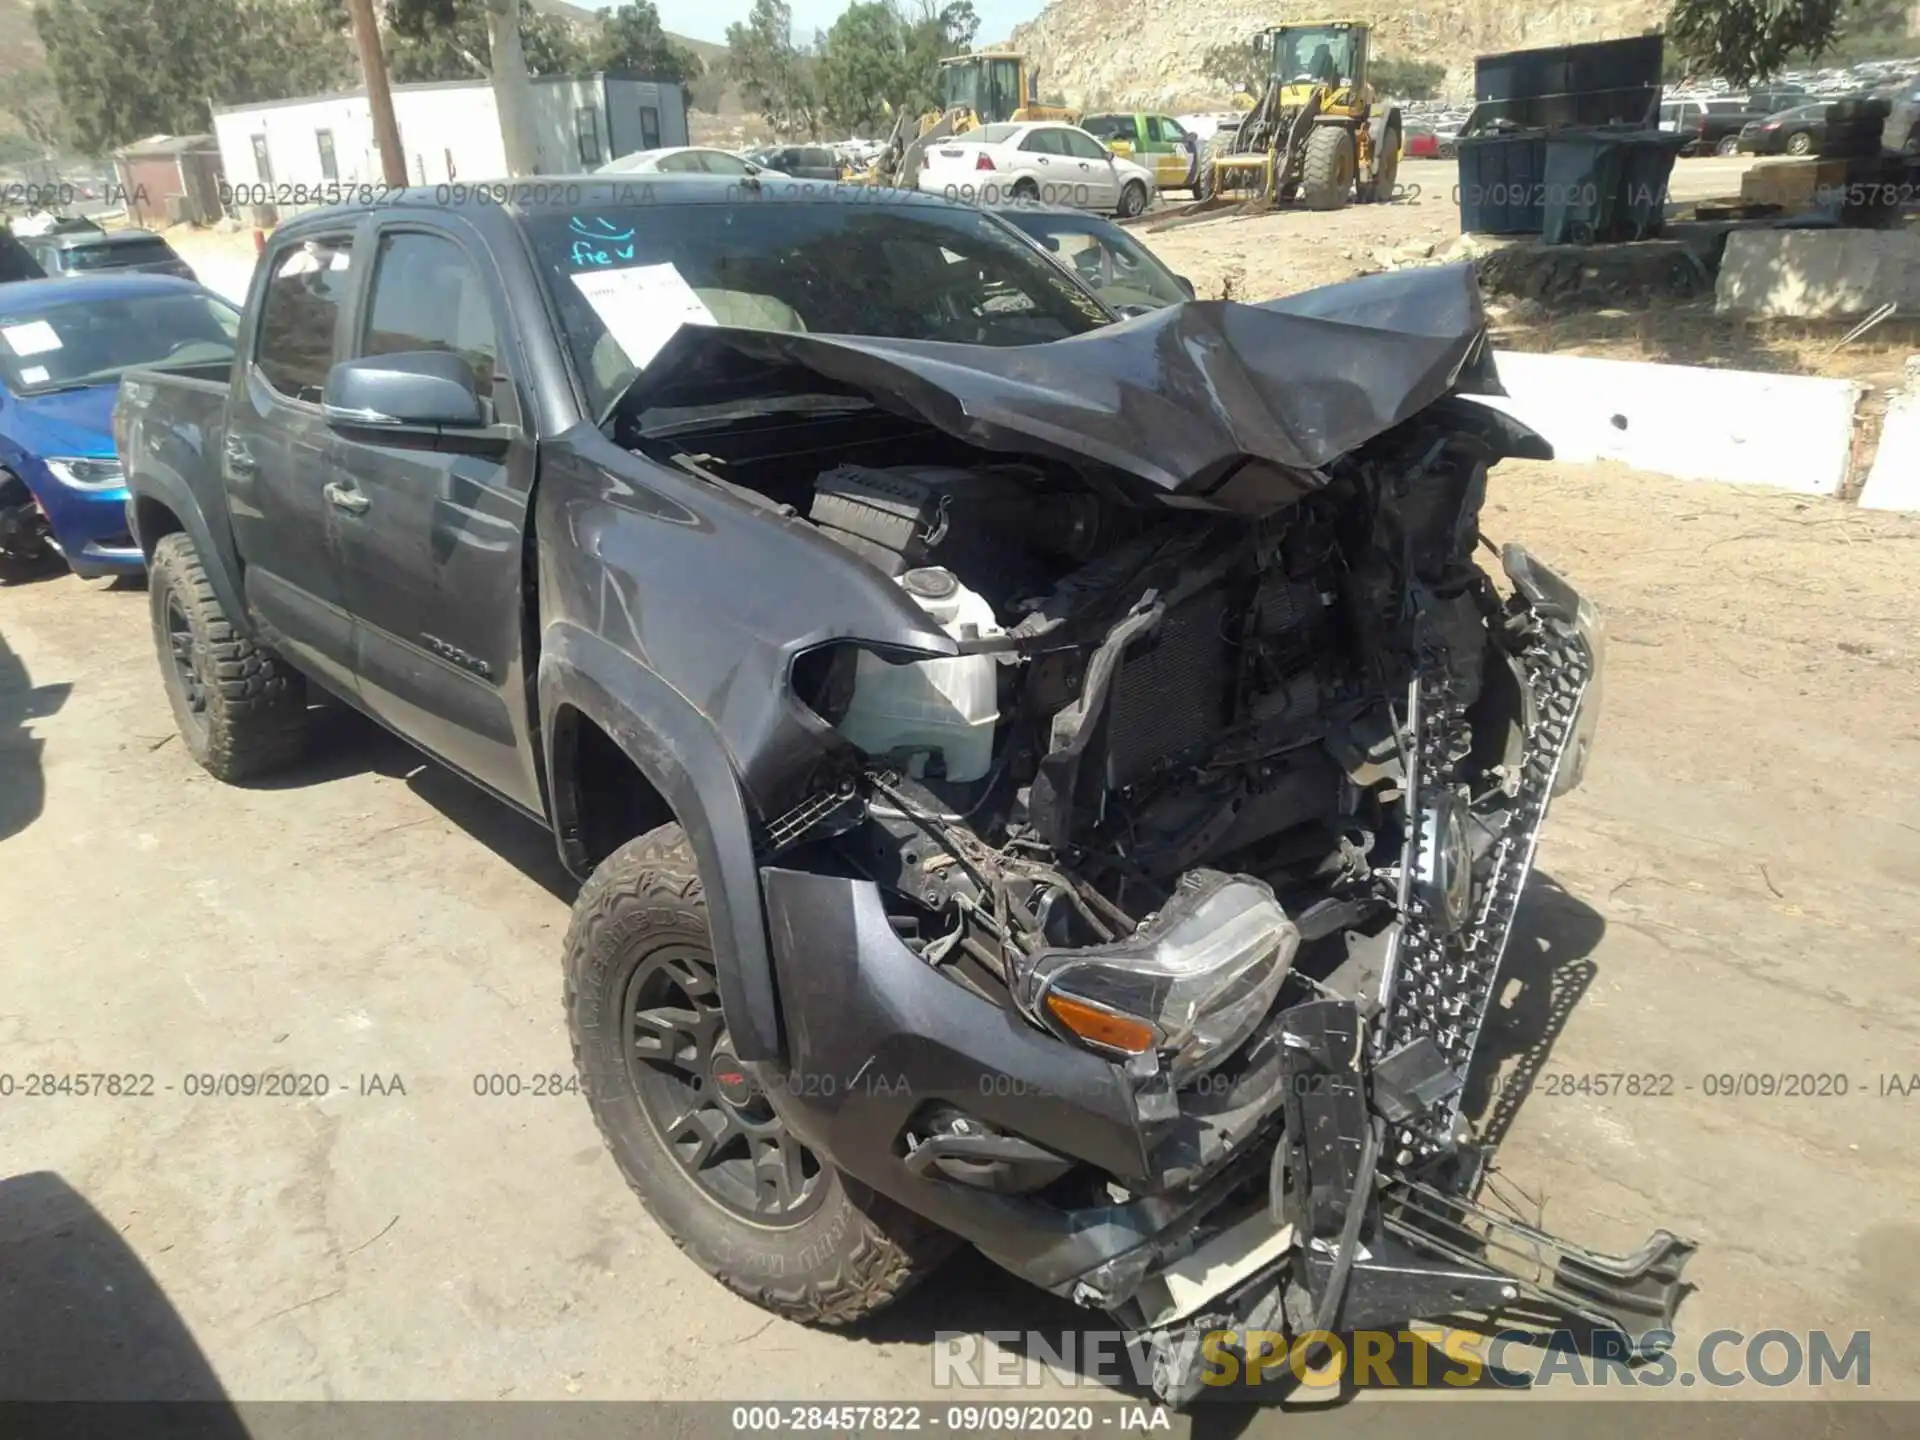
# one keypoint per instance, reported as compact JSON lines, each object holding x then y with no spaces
{"x":1317,"y":133}
{"x":991,"y":87}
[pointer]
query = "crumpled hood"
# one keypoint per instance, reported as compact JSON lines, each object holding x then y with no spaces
{"x":1180,"y":398}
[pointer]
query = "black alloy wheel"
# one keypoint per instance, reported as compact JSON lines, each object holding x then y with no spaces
{"x":707,"y":1108}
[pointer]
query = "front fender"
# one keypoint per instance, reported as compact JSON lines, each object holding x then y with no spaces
{"x":681,"y":755}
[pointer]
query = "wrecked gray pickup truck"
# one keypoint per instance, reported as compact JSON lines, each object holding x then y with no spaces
{"x":1044,"y":782}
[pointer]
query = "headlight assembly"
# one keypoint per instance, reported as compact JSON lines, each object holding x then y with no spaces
{"x":83,"y":474}
{"x":1194,"y":981}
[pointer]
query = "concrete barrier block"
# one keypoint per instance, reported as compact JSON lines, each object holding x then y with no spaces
{"x":1814,"y":274}
{"x":1894,"y":481}
{"x":1740,"y":427}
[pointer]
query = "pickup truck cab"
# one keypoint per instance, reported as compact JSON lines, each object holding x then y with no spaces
{"x":972,"y":717}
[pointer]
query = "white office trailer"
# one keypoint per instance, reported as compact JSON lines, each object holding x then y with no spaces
{"x":277,"y":152}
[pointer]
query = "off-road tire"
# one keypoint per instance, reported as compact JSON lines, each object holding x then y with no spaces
{"x":1800,"y":144}
{"x":1386,"y":169}
{"x":1133,"y":200}
{"x":854,"y":1253}
{"x":1326,"y":172}
{"x":1728,"y":147}
{"x":254,"y":720}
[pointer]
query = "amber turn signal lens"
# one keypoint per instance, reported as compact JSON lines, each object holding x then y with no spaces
{"x":1101,"y":1027}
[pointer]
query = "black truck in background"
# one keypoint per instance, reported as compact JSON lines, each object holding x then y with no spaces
{"x":1052,"y":783}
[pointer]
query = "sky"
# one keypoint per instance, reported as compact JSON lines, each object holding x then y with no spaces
{"x":708,"y":19}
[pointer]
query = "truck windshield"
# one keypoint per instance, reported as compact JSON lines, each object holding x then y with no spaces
{"x":835,"y":266}
{"x":64,"y":345}
{"x":1317,"y":53}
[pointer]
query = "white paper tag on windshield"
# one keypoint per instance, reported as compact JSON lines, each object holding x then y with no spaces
{"x":641,"y":306}
{"x":36,"y":337}
{"x":33,"y":375}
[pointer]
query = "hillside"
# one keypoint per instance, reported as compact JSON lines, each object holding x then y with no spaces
{"x":1148,"y":52}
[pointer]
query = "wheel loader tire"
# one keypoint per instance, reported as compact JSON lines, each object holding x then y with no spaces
{"x":1205,"y":182}
{"x":1386,"y":168}
{"x":1326,"y":174}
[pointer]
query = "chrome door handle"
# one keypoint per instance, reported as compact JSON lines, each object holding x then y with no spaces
{"x":341,"y":498}
{"x":239,"y":459}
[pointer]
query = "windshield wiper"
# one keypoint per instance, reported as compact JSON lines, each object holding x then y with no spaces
{"x":679,"y":419}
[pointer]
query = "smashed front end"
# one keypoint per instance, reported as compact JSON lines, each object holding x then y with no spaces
{"x":1141,"y":928}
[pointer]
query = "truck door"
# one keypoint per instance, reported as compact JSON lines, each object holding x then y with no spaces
{"x":431,"y":541}
{"x":273,"y":457}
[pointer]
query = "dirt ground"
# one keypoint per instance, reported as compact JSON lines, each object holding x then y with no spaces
{"x":1736,"y":890}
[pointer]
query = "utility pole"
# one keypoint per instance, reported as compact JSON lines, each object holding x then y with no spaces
{"x":373,"y":65}
{"x":512,"y":91}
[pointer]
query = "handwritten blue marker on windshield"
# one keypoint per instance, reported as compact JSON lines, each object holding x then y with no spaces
{"x":597,"y":232}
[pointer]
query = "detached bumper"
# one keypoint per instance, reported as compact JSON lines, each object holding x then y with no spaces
{"x":885,"y":1055}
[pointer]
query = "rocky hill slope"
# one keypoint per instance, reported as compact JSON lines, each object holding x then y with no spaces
{"x":1148,"y":52}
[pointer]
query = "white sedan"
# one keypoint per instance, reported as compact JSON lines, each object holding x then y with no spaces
{"x":1045,"y":161}
{"x":686,"y":160}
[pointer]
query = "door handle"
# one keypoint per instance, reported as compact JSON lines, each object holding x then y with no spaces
{"x":342,"y":498}
{"x":239,"y":459}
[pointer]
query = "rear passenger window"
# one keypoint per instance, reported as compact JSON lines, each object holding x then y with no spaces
{"x":428,"y":296}
{"x":305,"y":291}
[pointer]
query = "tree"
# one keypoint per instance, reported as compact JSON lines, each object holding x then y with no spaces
{"x":878,"y":59}
{"x":1748,"y":40}
{"x":630,"y":38}
{"x":448,"y":40}
{"x":1407,"y":79}
{"x":1242,"y":64}
{"x":125,"y":69}
{"x":771,"y":71}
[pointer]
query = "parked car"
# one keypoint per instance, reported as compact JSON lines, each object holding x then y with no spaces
{"x":1713,"y":126}
{"x":1802,"y":131}
{"x":1043,"y":160}
{"x":801,"y":162}
{"x":1101,"y":255}
{"x":991,"y":765}
{"x":686,"y":160}
{"x":1159,"y":142}
{"x":90,"y":251}
{"x":1420,"y":143}
{"x":64,"y":344}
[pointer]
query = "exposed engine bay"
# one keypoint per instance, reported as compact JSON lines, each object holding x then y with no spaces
{"x":1168,"y":723}
{"x":1236,"y":787}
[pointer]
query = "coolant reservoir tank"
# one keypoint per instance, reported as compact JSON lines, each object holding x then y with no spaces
{"x":948,"y":705}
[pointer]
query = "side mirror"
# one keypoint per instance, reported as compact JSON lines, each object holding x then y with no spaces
{"x":1128,"y":312}
{"x":1186,"y":285}
{"x":387,"y":397}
